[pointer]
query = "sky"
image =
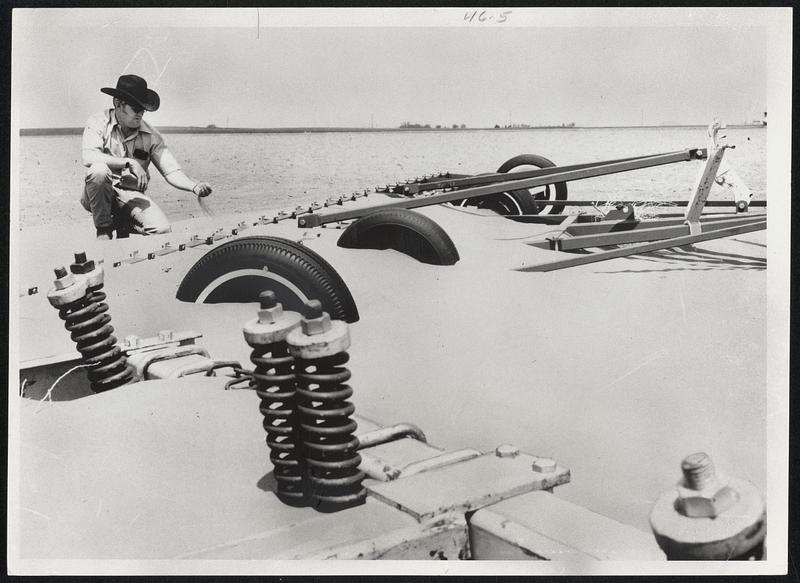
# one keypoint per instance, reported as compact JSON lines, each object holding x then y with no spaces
{"x":251,"y":67}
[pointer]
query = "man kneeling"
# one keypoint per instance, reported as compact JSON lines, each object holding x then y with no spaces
{"x":118,"y":146}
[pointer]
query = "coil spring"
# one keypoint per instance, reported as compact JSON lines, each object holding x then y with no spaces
{"x":273,"y":381}
{"x":90,"y":330}
{"x":96,"y":295}
{"x":327,"y":432}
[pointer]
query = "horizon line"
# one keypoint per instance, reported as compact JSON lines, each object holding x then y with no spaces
{"x":211,"y":129}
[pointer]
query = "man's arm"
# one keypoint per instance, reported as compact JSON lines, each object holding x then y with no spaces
{"x":178,"y":179}
{"x":172,"y":171}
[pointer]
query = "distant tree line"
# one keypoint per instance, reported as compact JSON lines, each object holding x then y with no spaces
{"x":516,"y":126}
{"x":455,"y":126}
{"x":408,"y":124}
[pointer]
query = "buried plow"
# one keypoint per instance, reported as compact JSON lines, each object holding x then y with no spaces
{"x":539,"y":195}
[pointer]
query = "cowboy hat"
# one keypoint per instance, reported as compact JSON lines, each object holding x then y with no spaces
{"x":133,"y":89}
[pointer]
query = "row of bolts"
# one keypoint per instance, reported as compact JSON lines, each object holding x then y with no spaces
{"x":300,"y":379}
{"x":197,"y":240}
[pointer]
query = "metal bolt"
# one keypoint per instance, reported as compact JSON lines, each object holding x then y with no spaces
{"x":315,"y":320}
{"x":64,"y":279}
{"x":544,"y":465}
{"x":312,"y":309}
{"x":165,"y":335}
{"x":698,"y":470}
{"x":132,"y":340}
{"x":506,"y":451}
{"x":268,"y":299}
{"x":271,"y":311}
{"x":709,"y":517}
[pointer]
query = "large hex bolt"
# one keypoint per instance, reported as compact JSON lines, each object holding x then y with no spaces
{"x":66,"y":289}
{"x":329,"y":443}
{"x":94,"y":275}
{"x":274,"y":383}
{"x":708,"y":517}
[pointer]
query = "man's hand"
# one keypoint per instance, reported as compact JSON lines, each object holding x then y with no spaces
{"x":202,"y":189}
{"x":139,"y":172}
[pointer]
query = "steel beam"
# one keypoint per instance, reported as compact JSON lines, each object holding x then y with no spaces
{"x":617,"y":226}
{"x":667,"y":203}
{"x":643,"y":248}
{"x":480,"y":179}
{"x":644,"y":234}
{"x":706,"y":179}
{"x":600,"y":169}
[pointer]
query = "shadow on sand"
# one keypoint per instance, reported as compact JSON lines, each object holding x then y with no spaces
{"x":689,"y":258}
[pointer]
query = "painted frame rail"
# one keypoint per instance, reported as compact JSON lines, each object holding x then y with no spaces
{"x":507,"y":182}
{"x":644,"y":248}
{"x":466,"y":181}
{"x":654,"y":232}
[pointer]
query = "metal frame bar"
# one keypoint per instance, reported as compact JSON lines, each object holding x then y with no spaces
{"x":467,"y":181}
{"x":594,"y":219}
{"x":510,"y":182}
{"x":706,"y":179}
{"x":653,"y":233}
{"x":597,"y":227}
{"x":667,"y":203}
{"x":643,"y":248}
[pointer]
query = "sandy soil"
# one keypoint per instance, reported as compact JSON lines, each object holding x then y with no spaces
{"x":254,"y":172}
{"x":616,"y":369}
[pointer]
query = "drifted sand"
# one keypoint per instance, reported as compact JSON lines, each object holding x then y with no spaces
{"x":616,"y":369}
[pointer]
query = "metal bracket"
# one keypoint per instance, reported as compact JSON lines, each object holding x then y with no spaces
{"x":707,"y":178}
{"x":387,"y":434}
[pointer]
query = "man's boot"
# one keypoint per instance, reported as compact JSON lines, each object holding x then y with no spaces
{"x":104,"y":233}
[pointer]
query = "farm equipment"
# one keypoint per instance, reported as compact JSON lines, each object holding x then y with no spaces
{"x":510,"y":192}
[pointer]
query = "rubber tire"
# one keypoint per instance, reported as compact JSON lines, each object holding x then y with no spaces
{"x":503,"y":203}
{"x":404,"y":230}
{"x":539,"y":162}
{"x":294,"y":272}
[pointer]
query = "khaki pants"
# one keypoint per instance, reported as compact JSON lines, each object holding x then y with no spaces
{"x":118,"y":208}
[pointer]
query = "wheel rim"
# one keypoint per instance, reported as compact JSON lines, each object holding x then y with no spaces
{"x":538,"y":193}
{"x":248,"y":283}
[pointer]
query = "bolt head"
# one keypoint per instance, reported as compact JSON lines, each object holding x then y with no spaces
{"x":82,"y":267}
{"x":270,"y":315}
{"x":64,"y":282}
{"x":165,"y":335}
{"x":66,"y":289}
{"x":132,"y":340}
{"x":258,"y":332}
{"x":317,"y":326}
{"x":709,"y":502}
{"x":506,"y":451}
{"x":315,"y":320}
{"x":544,"y":465}
{"x":311,"y":346}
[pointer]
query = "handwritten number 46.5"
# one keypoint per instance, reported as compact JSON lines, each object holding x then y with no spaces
{"x":483,"y":17}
